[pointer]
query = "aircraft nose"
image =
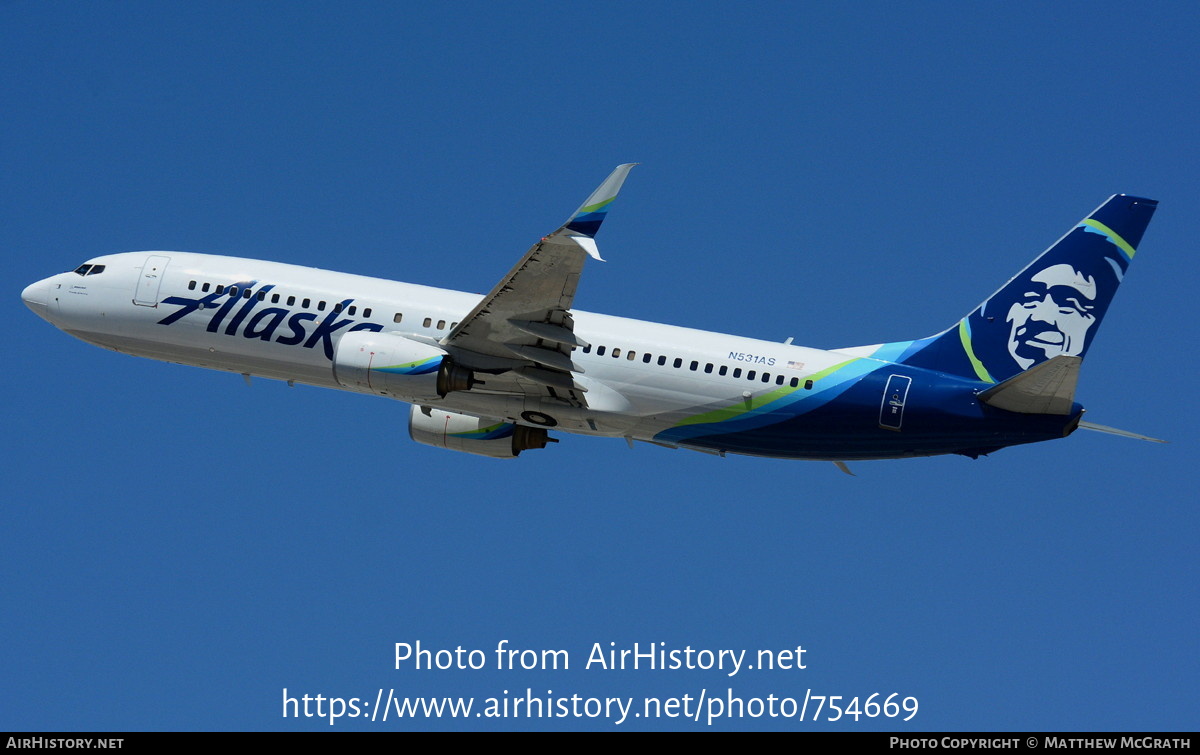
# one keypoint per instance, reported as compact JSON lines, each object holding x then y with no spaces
{"x":36,"y":295}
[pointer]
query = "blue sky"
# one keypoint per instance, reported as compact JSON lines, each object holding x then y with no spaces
{"x":177,"y":548}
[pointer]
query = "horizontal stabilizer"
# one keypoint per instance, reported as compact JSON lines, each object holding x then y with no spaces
{"x":1115,"y":431}
{"x":1047,"y":388}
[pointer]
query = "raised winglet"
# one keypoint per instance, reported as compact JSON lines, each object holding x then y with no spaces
{"x":587,"y":219}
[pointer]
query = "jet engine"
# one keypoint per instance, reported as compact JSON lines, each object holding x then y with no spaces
{"x":392,"y":365}
{"x":483,"y":437}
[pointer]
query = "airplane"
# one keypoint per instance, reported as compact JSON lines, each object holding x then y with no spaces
{"x":491,"y":375}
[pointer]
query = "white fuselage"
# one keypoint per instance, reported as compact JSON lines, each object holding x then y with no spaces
{"x":641,"y":377}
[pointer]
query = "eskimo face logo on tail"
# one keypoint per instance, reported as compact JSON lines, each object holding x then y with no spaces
{"x":1053,"y":315}
{"x":235,"y":309}
{"x":1053,"y":308}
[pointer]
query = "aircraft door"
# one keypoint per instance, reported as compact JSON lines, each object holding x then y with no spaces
{"x":891,"y":409}
{"x":150,"y":280}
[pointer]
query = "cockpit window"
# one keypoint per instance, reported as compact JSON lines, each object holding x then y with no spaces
{"x":96,"y":269}
{"x":82,"y":269}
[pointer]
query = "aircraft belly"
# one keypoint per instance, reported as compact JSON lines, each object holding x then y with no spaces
{"x":537,"y":413}
{"x":821,"y":437}
{"x":846,"y":422}
{"x":201,"y":356}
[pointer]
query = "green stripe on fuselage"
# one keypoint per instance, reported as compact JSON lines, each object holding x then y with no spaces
{"x":737,"y":410}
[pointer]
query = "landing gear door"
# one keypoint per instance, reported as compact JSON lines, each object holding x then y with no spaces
{"x":149,"y":281}
{"x":891,"y":410}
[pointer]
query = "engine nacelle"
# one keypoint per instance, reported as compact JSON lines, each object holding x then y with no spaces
{"x":483,"y":437}
{"x":392,"y":365}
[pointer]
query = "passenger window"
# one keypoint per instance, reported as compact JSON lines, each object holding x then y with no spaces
{"x":737,"y":371}
{"x":694,"y":365}
{"x":441,"y":324}
{"x":646,"y":358}
{"x":306,"y":303}
{"x":708,"y":368}
{"x":453,"y":325}
{"x":616,"y":352}
{"x":247,"y":293}
{"x":766,"y":378}
{"x":808,"y":384}
{"x":204,"y":288}
{"x":291,"y":301}
{"x":678,"y":363}
{"x":397,"y":318}
{"x":779,"y":380}
{"x":191,"y":285}
{"x":587,"y":349}
{"x":428,"y":322}
{"x":220,"y":288}
{"x":337,"y":307}
{"x":274,"y":298}
{"x":320,"y":306}
{"x":262,"y":295}
{"x":599,"y":351}
{"x":661,"y":361}
{"x":351,"y":310}
{"x":367,"y":313}
{"x":723,"y":370}
{"x":233,"y":292}
{"x":630,"y":355}
{"x":795,"y":382}
{"x":750,"y":375}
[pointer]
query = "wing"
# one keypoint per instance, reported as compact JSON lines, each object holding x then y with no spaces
{"x":522,"y":331}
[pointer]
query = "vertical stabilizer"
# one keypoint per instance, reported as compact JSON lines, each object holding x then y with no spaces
{"x":1051,"y":308}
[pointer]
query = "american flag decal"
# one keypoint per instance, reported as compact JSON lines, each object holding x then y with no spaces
{"x":796,"y":365}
